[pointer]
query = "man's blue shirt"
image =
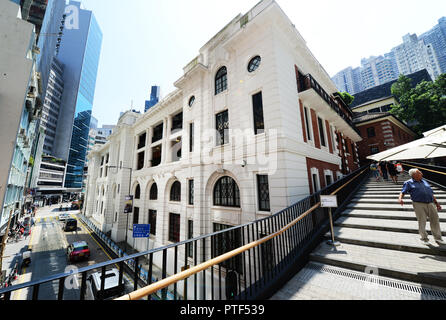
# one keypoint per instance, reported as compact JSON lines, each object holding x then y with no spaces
{"x":419,"y":191}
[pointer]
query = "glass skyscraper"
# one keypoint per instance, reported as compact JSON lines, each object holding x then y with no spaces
{"x":154,"y":98}
{"x":79,"y":52}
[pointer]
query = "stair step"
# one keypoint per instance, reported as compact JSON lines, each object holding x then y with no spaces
{"x":390,"y":196}
{"x":408,"y":266}
{"x":384,"y":225}
{"x":393,"y":189}
{"x":382,"y":214}
{"x":377,"y":206}
{"x":386,"y":240}
{"x":324,"y":282}
{"x":389,"y":200}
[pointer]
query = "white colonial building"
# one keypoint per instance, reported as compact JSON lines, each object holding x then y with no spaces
{"x":253,"y":127}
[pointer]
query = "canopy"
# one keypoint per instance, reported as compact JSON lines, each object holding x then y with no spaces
{"x":433,"y":145}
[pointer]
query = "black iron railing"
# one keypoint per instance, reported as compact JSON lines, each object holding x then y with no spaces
{"x":308,"y":82}
{"x":253,"y":274}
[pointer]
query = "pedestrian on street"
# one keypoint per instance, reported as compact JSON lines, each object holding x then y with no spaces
{"x":383,"y":168}
{"x":392,"y":172}
{"x":399,"y":168}
{"x":424,"y":204}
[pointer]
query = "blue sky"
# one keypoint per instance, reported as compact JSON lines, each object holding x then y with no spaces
{"x":148,"y":42}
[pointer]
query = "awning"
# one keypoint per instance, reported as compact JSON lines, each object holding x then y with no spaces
{"x":433,"y":145}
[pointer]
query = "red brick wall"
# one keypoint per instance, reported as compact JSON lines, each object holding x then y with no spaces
{"x":321,"y":166}
{"x":317,"y":140}
{"x":398,"y":135}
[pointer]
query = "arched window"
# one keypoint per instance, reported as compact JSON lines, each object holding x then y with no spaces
{"x":226,"y":193}
{"x":221,"y":80}
{"x":137,"y":192}
{"x":175,"y":191}
{"x":153,"y":192}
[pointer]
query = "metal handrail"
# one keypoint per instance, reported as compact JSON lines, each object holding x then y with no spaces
{"x":274,"y":221}
{"x":164,"y":283}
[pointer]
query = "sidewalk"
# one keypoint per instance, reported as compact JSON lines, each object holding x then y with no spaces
{"x":12,"y":256}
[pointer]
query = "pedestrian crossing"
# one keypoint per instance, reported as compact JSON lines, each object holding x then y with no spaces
{"x":50,"y":219}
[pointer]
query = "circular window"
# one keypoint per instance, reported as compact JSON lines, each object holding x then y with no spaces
{"x":254,"y":63}
{"x":191,"y":101}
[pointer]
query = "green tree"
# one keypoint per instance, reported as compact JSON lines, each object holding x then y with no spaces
{"x":347,"y":97}
{"x":423,"y":106}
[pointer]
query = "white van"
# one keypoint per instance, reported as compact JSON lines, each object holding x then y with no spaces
{"x":112,"y":288}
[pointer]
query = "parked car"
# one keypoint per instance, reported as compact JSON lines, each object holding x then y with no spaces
{"x":112,"y":288}
{"x":75,"y":205}
{"x":70,"y":224}
{"x":64,"y":216}
{"x":78,"y":251}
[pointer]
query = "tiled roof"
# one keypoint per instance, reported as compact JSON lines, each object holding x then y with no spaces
{"x":385,"y":90}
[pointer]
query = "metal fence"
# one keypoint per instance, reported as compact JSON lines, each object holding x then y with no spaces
{"x":434,"y":174}
{"x":278,"y":247}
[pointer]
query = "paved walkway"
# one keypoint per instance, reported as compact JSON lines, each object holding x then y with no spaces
{"x":380,"y":256}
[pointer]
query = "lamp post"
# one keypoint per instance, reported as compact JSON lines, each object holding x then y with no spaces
{"x":130,"y":185}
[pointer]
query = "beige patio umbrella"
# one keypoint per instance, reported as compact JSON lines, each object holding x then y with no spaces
{"x":433,"y":145}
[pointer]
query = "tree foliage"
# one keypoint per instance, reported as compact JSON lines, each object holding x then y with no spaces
{"x":347,"y":97}
{"x":423,"y":106}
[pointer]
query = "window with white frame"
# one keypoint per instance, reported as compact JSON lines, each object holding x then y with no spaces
{"x":322,"y":133}
{"x":315,"y":179}
{"x":308,"y":124}
{"x":328,"y":177}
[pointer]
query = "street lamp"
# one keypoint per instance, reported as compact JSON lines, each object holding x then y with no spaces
{"x":130,"y":185}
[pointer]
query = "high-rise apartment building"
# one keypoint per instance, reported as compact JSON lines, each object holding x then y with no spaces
{"x":414,"y":55}
{"x":427,"y":51}
{"x":348,"y":80}
{"x":79,"y":53}
{"x":437,"y":38}
{"x":376,"y":71}
{"x":154,"y":98}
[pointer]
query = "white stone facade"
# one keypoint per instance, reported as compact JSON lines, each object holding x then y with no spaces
{"x":281,"y":152}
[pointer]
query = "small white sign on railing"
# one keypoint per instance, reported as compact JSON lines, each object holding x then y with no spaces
{"x":329,"y":201}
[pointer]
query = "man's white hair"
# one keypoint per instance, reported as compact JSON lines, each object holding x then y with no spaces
{"x":412,"y":172}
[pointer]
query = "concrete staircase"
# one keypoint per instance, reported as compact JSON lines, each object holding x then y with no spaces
{"x":380,"y":256}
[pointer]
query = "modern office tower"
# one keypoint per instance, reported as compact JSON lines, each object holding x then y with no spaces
{"x":154,"y":98}
{"x":376,"y":71}
{"x":79,"y":52}
{"x":93,"y":123}
{"x":20,"y":107}
{"x":414,"y":55}
{"x":348,"y":80}
{"x":52,"y":105}
{"x":49,"y":40}
{"x":437,"y":38}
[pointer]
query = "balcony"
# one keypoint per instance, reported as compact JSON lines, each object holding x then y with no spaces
{"x":314,"y":96}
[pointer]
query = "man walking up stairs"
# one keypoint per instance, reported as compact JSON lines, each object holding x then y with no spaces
{"x":380,"y":256}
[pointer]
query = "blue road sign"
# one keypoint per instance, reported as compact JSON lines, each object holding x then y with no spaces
{"x":141,"y":230}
